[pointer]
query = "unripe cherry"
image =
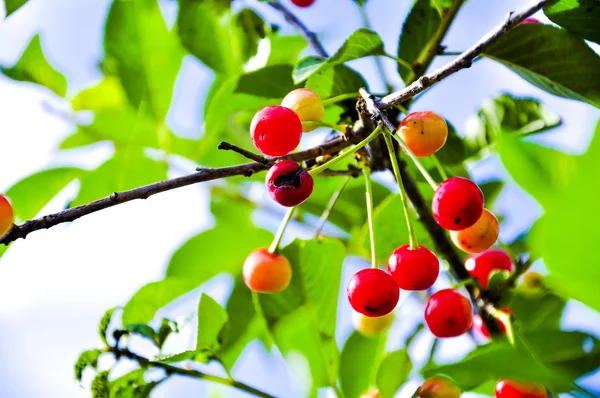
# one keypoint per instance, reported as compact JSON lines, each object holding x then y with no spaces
{"x":423,"y":132}
{"x":480,"y":236}
{"x":369,"y":326}
{"x":481,"y":266}
{"x":533,"y":280}
{"x":457,"y":203}
{"x":439,"y":387}
{"x":289,"y":184}
{"x":373,"y":292}
{"x":7,"y":215}
{"x":448,"y":313}
{"x":307,"y":104}
{"x":415,"y":269}
{"x":265,"y":272}
{"x":513,"y":389}
{"x":276,"y":130}
{"x":303,"y":3}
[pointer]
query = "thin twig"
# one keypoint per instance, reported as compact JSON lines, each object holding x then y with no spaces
{"x":334,"y":198}
{"x":170,"y":369}
{"x":310,"y":36}
{"x":226,"y":146}
{"x":463,"y":61}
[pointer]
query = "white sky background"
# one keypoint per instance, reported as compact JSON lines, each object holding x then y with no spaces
{"x":55,"y":285}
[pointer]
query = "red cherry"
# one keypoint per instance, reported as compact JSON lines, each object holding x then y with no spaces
{"x":373,"y":292}
{"x":7,"y":215}
{"x":480,"y":266}
{"x":276,"y":130}
{"x":413,"y":269}
{"x":288,"y":184}
{"x":266,"y":272}
{"x":303,"y":3}
{"x":448,"y":313}
{"x":512,"y":389}
{"x":457,"y":203}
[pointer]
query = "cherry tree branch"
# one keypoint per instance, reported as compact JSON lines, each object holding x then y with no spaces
{"x":463,"y":61}
{"x":309,"y":35}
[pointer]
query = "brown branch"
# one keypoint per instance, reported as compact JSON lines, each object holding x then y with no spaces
{"x":226,"y":146}
{"x":463,"y":61}
{"x":170,"y":369}
{"x":144,"y":192}
{"x":310,"y":36}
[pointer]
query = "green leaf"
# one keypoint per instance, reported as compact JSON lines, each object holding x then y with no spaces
{"x":271,"y":82}
{"x":211,"y":320}
{"x":127,"y":169}
{"x":579,"y":17}
{"x":86,"y":358}
{"x":552,"y":59}
{"x":32,"y":193}
{"x":491,"y":190}
{"x":507,"y":114}
{"x":285,"y":50}
{"x":104,"y":322}
{"x":331,"y":82}
{"x":101,"y":385}
{"x":13,"y":5}
{"x":358,"y":363}
{"x":123,"y":386}
{"x":419,"y":28}
{"x":145,"y":54}
{"x":108,"y":94}
{"x":393,"y":372}
{"x":166,"y":328}
{"x":142,"y":330}
{"x":535,"y":309}
{"x":361,"y":43}
{"x":391,"y":230}
{"x":33,"y":67}
{"x":455,"y":149}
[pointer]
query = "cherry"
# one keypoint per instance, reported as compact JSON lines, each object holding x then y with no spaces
{"x":513,"y":389}
{"x":479,"y":325}
{"x":307,"y":104}
{"x":480,"y":236}
{"x":288,"y":184}
{"x":533,"y":280}
{"x":303,"y":3}
{"x":276,"y":130}
{"x":413,"y":269}
{"x":448,"y":313}
{"x":7,"y":215}
{"x":480,"y":266}
{"x":457,"y":203}
{"x":371,"y":327}
{"x":423,"y":132}
{"x":439,"y":387}
{"x":373,"y":292}
{"x":265,"y":272}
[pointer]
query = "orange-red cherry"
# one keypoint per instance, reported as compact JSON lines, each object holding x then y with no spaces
{"x":414,"y":269}
{"x":265,"y":272}
{"x":512,"y":389}
{"x":448,"y":313}
{"x":307,"y":104}
{"x":478,"y":237}
{"x":481,"y":265}
{"x":423,"y":132}
{"x":373,"y":292}
{"x":7,"y":215}
{"x":276,"y":130}
{"x":457,"y":203}
{"x":439,"y":387}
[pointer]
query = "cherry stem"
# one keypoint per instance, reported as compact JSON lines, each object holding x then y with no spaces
{"x":336,"y":127}
{"x":343,"y":97}
{"x":411,"y":230}
{"x":421,"y":168}
{"x":439,"y":166}
{"x":369,"y":195}
{"x":341,"y":156}
{"x":286,"y":219}
{"x":336,"y":195}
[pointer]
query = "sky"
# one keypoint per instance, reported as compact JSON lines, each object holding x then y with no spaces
{"x":56,"y":284}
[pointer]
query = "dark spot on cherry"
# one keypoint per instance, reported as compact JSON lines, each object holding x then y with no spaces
{"x":457,"y":221}
{"x":289,"y":179}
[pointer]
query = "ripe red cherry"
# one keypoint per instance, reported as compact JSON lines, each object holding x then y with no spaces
{"x":512,"y":389}
{"x":480,"y":266}
{"x":457,"y":203}
{"x":266,"y":272}
{"x":288,"y":184}
{"x":303,"y":3}
{"x":413,"y":269}
{"x":7,"y":215}
{"x":448,"y":313}
{"x":373,"y":292}
{"x":276,"y":130}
